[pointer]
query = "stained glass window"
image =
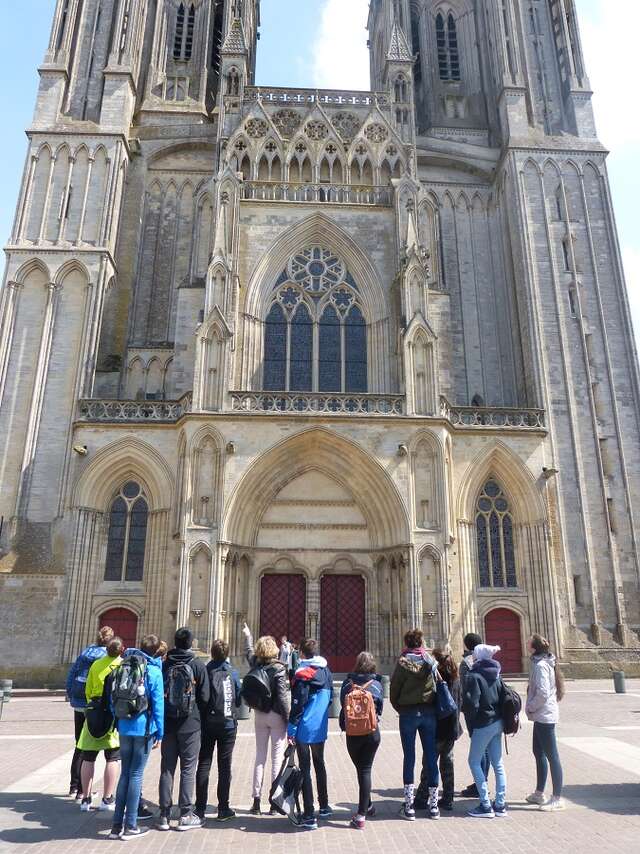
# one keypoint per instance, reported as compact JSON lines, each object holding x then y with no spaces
{"x":330,"y":353}
{"x":127,"y":536}
{"x":494,"y":531}
{"x":315,"y":332}
{"x":275,"y":350}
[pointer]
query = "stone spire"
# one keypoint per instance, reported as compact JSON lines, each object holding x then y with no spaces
{"x":235,"y":42}
{"x":399,"y":50}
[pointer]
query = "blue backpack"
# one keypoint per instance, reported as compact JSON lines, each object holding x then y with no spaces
{"x":79,"y":685}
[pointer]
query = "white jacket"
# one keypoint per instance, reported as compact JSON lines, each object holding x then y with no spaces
{"x":542,"y":698}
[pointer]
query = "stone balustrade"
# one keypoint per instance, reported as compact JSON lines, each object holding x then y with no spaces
{"x":336,"y":97}
{"x":134,"y":411}
{"x":499,"y":417}
{"x":317,"y":403}
{"x":341,"y":194}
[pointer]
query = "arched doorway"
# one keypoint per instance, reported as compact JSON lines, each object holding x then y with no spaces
{"x":502,"y":628}
{"x":283,"y":606}
{"x":123,"y":622}
{"x":342,"y":620}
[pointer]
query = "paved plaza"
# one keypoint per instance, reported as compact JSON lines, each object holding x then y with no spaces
{"x":600,"y":745}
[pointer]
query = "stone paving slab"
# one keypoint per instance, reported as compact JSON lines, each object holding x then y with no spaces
{"x":600,"y":757}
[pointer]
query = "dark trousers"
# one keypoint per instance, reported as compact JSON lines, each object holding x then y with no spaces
{"x":362,"y":750}
{"x":423,"y":722}
{"x":184,"y":746}
{"x":307,"y":752}
{"x":224,"y":739}
{"x":545,"y":750}
{"x":76,"y":762}
{"x":444,"y":749}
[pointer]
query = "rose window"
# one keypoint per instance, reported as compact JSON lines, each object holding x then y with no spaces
{"x":316,"y":269}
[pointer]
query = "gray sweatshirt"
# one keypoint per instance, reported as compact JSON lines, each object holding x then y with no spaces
{"x":542,"y":699}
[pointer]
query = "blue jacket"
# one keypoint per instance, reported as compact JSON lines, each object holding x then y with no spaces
{"x":482,"y":694}
{"x":310,"y":699}
{"x":375,"y":689}
{"x":78,"y":672}
{"x":154,"y":715}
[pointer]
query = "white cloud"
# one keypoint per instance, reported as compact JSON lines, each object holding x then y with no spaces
{"x":610,"y":43}
{"x":340,"y":54}
{"x":631,"y":259}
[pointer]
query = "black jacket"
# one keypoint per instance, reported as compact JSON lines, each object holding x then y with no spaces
{"x":278,"y":677}
{"x":482,"y":695}
{"x":198,"y":713}
{"x":449,"y":729}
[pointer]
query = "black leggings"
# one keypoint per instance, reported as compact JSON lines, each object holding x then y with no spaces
{"x":76,"y":762}
{"x":362,"y":750}
{"x":305,"y":753}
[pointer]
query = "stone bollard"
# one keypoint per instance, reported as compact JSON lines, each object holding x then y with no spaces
{"x":619,"y":682}
{"x":386,"y":687}
{"x":244,"y":712}
{"x":334,"y":708}
{"x":6,"y":685}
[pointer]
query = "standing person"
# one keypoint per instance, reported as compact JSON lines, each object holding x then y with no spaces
{"x":413,"y":696}
{"x":309,"y":725}
{"x":186,"y":697}
{"x":110,"y":743}
{"x":284,"y":654}
{"x":219,"y":730}
{"x":482,"y":707}
{"x":363,"y":748}
{"x":77,"y":698}
{"x":448,"y":731}
{"x":471,"y":641}
{"x":272,"y":712}
{"x":140,"y":732}
{"x":545,"y":691}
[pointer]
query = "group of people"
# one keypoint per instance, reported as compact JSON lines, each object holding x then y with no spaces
{"x":170,"y":699}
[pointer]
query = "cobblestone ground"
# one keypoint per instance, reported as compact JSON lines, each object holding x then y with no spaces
{"x":600,"y":746}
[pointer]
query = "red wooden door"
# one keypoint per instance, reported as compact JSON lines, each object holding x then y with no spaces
{"x":123,"y":622}
{"x":502,"y":628}
{"x":342,"y":620}
{"x":283,"y":606}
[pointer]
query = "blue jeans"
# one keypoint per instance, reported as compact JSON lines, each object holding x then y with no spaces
{"x":488,"y":739}
{"x":422,"y":721}
{"x":545,"y":750}
{"x":134,"y":754}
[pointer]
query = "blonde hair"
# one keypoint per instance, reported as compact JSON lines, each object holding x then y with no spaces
{"x":266,"y":649}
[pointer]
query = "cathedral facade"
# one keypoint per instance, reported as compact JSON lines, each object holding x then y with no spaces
{"x":332,"y":362}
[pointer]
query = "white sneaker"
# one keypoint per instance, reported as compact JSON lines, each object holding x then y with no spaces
{"x":535,"y":798}
{"x":554,"y":805}
{"x":107,"y":804}
{"x":85,"y":805}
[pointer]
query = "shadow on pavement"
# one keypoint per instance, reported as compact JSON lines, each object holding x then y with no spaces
{"x":52,"y":818}
{"x":612,"y":798}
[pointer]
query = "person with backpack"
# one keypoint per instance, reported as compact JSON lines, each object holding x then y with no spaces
{"x":471,"y":641}
{"x":482,"y":704}
{"x":309,"y":726}
{"x":77,"y":699}
{"x":91,"y":745}
{"x":186,"y":698}
{"x":545,"y":692}
{"x":362,"y":703}
{"x":219,"y":730}
{"x":266,"y":690}
{"x":448,"y":731}
{"x":413,"y":696}
{"x":137,"y":702}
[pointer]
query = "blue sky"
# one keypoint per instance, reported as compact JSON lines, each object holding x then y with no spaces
{"x":323,"y":43}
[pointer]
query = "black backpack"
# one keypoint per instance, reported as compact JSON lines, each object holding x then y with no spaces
{"x":222,"y":702}
{"x":128,"y":688}
{"x":511,"y":707}
{"x":98,"y":715}
{"x":256,"y":689}
{"x":179,"y":691}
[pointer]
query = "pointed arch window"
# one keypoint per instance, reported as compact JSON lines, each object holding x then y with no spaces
{"x":494,"y":531}
{"x":185,"y":26}
{"x":315,"y":330}
{"x":447,"y":46}
{"x":127,"y":536}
